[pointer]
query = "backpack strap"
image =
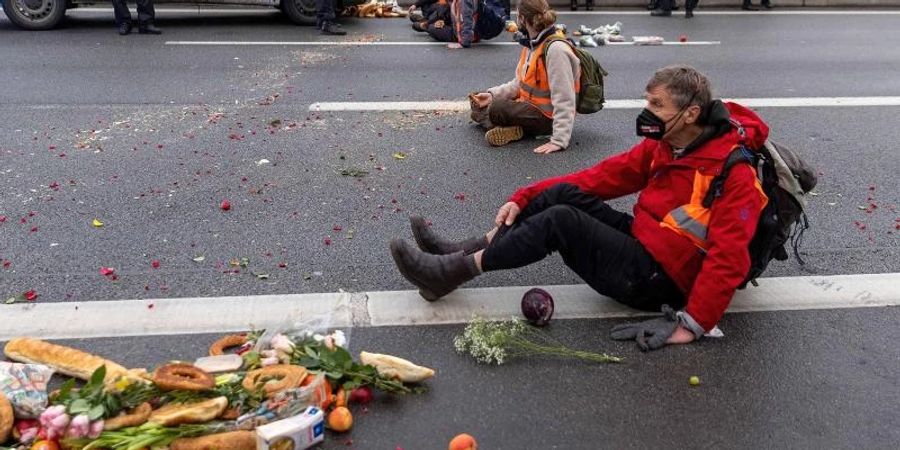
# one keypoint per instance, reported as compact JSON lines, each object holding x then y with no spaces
{"x":741,"y":154}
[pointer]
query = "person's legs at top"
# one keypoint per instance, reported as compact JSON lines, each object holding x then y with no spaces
{"x":146,"y":15}
{"x":664,"y":8}
{"x":325,"y":18}
{"x":123,"y":16}
{"x":747,"y":6}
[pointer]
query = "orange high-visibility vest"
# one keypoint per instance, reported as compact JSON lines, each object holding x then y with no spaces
{"x":534,"y":84}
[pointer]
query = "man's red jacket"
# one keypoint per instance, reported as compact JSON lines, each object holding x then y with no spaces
{"x":705,"y":252}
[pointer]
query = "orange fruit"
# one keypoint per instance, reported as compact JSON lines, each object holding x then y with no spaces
{"x":463,"y":442}
{"x":340,"y":419}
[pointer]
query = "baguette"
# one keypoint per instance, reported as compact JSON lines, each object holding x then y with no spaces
{"x":397,"y":368}
{"x":65,"y":360}
{"x":183,"y":413}
{"x":235,"y":440}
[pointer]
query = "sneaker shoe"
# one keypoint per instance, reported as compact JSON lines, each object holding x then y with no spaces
{"x":501,"y":136}
{"x":124,"y":29}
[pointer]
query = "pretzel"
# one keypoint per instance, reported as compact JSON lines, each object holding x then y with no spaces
{"x":274,"y":379}
{"x":182,"y":377}
{"x":232,"y":340}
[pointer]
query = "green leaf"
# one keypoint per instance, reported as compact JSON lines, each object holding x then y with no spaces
{"x":98,"y":376}
{"x":334,"y":375}
{"x":96,"y":413}
{"x":65,"y":390}
{"x":79,"y":406}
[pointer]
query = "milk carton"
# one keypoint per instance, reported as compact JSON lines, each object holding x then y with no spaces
{"x":294,"y":433}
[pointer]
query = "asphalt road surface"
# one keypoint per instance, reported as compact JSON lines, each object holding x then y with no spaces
{"x":150,"y":138}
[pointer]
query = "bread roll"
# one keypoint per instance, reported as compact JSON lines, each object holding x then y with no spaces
{"x":397,"y":368}
{"x":182,"y":413}
{"x":235,"y":440}
{"x":6,"y":418}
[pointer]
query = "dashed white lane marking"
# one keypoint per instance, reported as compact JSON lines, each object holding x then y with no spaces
{"x":782,"y":102}
{"x":397,"y":308}
{"x":403,"y":43}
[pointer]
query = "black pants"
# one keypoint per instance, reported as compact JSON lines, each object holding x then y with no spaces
{"x":145,"y":11}
{"x":324,"y":12}
{"x":593,"y":239}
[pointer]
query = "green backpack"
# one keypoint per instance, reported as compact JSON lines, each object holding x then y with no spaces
{"x":590,"y":99}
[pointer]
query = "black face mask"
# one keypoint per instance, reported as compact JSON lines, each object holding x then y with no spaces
{"x":651,"y":126}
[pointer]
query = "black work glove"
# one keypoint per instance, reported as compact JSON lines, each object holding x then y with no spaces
{"x":649,"y":334}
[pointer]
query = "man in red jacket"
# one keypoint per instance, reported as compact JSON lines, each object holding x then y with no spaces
{"x":670,"y":254}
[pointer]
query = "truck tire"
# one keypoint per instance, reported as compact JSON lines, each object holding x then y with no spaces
{"x":301,"y":12}
{"x":35,"y":14}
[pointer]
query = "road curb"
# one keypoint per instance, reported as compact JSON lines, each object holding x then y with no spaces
{"x":402,"y":308}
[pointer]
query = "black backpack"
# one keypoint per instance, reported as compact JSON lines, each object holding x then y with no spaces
{"x":786,"y":179}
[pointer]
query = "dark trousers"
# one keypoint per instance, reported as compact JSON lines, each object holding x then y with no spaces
{"x":509,"y":113}
{"x":324,"y":12}
{"x":145,"y":11}
{"x":593,"y":239}
{"x":442,"y":34}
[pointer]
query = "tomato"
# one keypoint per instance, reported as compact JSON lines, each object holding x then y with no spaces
{"x":45,"y":445}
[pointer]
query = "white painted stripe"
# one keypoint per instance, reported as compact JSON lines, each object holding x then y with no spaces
{"x":403,"y":43}
{"x":604,"y":12}
{"x":783,"y":102}
{"x":228,"y":314}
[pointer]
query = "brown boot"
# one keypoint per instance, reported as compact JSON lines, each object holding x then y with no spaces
{"x":430,"y":242}
{"x":434,"y":275}
{"x":501,"y":136}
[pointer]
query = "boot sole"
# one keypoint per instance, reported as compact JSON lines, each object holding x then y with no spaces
{"x":398,"y":261}
{"x":501,"y":136}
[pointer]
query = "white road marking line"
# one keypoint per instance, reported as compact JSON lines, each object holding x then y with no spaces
{"x":403,"y":43}
{"x":394,"y":308}
{"x":782,"y":102}
{"x":605,"y":12}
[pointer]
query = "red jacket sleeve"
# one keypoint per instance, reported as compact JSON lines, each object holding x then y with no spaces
{"x":617,"y":176}
{"x":731,"y":227}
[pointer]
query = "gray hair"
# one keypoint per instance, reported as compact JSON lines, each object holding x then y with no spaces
{"x":685,"y":84}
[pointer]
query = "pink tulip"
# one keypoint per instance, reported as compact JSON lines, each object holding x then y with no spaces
{"x":96,"y":429}
{"x":51,"y":413}
{"x":283,"y":343}
{"x":59,"y":423}
{"x":80,"y":426}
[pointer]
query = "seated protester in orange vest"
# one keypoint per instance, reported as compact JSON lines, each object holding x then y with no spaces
{"x":671,"y":254}
{"x":541,"y":99}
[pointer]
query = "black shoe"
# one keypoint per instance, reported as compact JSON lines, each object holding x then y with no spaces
{"x":659,"y":12}
{"x":688,"y":14}
{"x":333,"y":29}
{"x":430,"y":242}
{"x":749,"y":7}
{"x":124,"y":29}
{"x":149,"y":29}
{"x":652,"y":5}
{"x":416,"y":17}
{"x":434,"y":275}
{"x":767,"y":5}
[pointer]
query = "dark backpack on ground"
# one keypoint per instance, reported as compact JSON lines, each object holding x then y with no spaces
{"x":786,"y":179}
{"x":590,"y":99}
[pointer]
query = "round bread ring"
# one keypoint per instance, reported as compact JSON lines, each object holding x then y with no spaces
{"x":182,"y":377}
{"x":232,"y":340}
{"x":288,"y":376}
{"x":135,"y":417}
{"x":7,"y":418}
